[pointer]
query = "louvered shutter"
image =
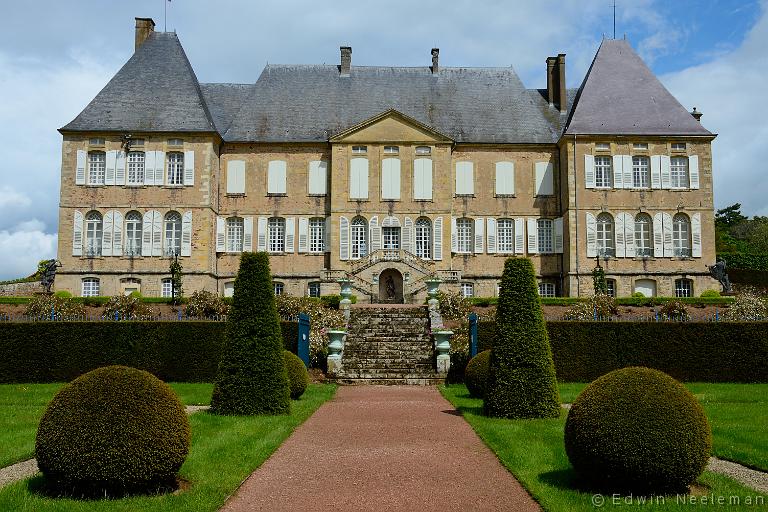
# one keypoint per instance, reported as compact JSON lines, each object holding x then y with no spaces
{"x":358,"y":178}
{"x":437,"y":239}
{"x":454,"y":236}
{"x":109,"y":171}
{"x":117,"y":237}
{"x":247,"y":234}
{"x":533,"y":236}
{"x":262,"y":235}
{"x":519,"y":235}
{"x":408,"y":238}
{"x":318,"y":177}
{"x":189,"y":168}
{"x":491,"y":235}
{"x":107,"y":226}
{"x":589,"y":171}
{"x":186,"y":234}
{"x":375,"y":233}
{"x":422,"y":178}
{"x":77,"y":234}
{"x":668,"y":243}
{"x":666,"y":177}
{"x":693,"y":171}
{"x":221,"y":234}
{"x":618,"y":171}
{"x":591,"y":236}
{"x":343,"y":238}
{"x":276,"y":177}
{"x":479,"y":235}
{"x":327,"y":235}
{"x":290,"y":234}
{"x":545,"y":179}
{"x":558,"y":229}
{"x":629,"y":234}
{"x":696,"y":235}
{"x":149,"y":168}
{"x":505,"y":178}
{"x":120,"y":168}
{"x":159,"y":167}
{"x":157,"y":234}
{"x":80,"y":168}
{"x":146,"y":233}
{"x":390,"y":178}
{"x":619,"y":232}
{"x":303,"y":234}
{"x":627,"y":168}
{"x":656,"y":171}
{"x":658,"y":235}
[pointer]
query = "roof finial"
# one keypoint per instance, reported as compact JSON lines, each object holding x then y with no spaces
{"x":614,"y":19}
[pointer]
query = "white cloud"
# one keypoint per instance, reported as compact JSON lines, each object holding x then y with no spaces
{"x":9,"y":198}
{"x":30,"y":225}
{"x":21,"y":250}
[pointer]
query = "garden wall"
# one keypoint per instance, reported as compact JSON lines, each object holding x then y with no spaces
{"x":60,"y":351}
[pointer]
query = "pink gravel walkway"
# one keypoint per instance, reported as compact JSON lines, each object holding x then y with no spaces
{"x":382,"y":448}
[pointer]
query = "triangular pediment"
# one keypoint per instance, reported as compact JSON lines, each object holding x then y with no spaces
{"x":391,"y":126}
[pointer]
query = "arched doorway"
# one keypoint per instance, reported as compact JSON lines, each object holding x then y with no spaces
{"x":391,"y":286}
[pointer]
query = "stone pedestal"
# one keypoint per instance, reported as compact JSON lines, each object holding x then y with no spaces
{"x":335,"y":350}
{"x":443,"y":349}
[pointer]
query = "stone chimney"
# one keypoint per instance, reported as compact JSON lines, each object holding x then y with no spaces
{"x":346,"y":60}
{"x":556,"y":93}
{"x":562,"y":99}
{"x":435,"y":58}
{"x":551,"y":80}
{"x":144,"y":27}
{"x":696,"y":114}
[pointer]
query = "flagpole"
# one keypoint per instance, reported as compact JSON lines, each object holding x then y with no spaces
{"x":165,"y":16}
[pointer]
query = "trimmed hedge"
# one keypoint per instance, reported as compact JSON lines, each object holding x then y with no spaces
{"x":688,"y":351}
{"x":61,"y":351}
{"x":621,"y":301}
{"x":740,"y":260}
{"x":476,"y":374}
{"x":298,"y":378}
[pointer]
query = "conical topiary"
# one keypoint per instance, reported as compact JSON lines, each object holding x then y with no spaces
{"x":521,"y":381}
{"x":252,"y":378}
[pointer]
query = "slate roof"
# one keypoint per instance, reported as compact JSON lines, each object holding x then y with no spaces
{"x":621,"y":96}
{"x":225,"y":101}
{"x":156,"y":90}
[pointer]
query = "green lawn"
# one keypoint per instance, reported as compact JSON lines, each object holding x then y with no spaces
{"x":224,"y":451}
{"x":533,"y":451}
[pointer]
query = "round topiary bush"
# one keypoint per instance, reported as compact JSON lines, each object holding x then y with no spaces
{"x":476,"y":374}
{"x":113,"y":431}
{"x":298,"y":378}
{"x":637,"y":430}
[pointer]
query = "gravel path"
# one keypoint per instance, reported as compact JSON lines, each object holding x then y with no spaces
{"x":375,"y":448}
{"x":757,"y":480}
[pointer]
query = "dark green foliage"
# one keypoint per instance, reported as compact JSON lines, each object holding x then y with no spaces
{"x":739,"y":260}
{"x":114,"y":431}
{"x":333,"y":301}
{"x":459,"y":362}
{"x":599,"y":283}
{"x":297,"y":374}
{"x":637,"y":430}
{"x":252,"y":378}
{"x":710,"y":294}
{"x":476,"y":374}
{"x":177,"y":290}
{"x":521,"y":381}
{"x":60,"y":351}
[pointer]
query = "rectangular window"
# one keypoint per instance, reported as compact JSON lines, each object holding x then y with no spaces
{"x":464,"y":235}
{"x":547,"y":289}
{"x":235,"y":234}
{"x":316,"y":235}
{"x":391,"y":150}
{"x":96,"y":141}
{"x":423,"y":150}
{"x":175,"y":168}
{"x":278,"y":288}
{"x":137,"y":142}
{"x":97,"y":164}
{"x":603,"y":171}
{"x":136,"y":168}
{"x":90,"y":287}
{"x":603,"y":146}
{"x":505,"y":236}
{"x":313,"y":289}
{"x":276,"y":234}
{"x":545,"y":235}
{"x":610,"y":286}
{"x":318,"y":178}
{"x":236,"y":177}
{"x":683,"y":288}
{"x":276,"y":177}
{"x":391,"y":237}
{"x":175,"y":142}
{"x":465,"y":180}
{"x":678,"y":146}
{"x":467,"y":290}
{"x":359,"y":150}
{"x":390,"y":178}
{"x":229,"y":289}
{"x":640,"y":145}
{"x":167,"y":288}
{"x":505,"y":178}
{"x":641,"y":172}
{"x":679,"y":172}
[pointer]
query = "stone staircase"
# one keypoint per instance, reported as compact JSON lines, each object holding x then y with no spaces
{"x":389,"y":345}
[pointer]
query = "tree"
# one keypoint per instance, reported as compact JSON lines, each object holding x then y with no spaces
{"x":252,"y":378}
{"x":176,"y":285}
{"x":730,"y":216}
{"x":521,"y":381}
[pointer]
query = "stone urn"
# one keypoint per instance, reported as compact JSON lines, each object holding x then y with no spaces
{"x":335,"y":348}
{"x":433,"y":284}
{"x":443,"y":349}
{"x":346,"y":288}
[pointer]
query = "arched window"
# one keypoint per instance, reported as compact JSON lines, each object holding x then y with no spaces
{"x":641,"y":172}
{"x":90,"y":287}
{"x":505,"y":235}
{"x":235,"y":234}
{"x":175,"y":168}
{"x":172,"y":234}
{"x":679,"y":172}
{"x":423,"y":238}
{"x":359,"y":238}
{"x":681,"y":236}
{"x":643,"y":235}
{"x":97,"y":164}
{"x":276,"y":229}
{"x":133,"y":234}
{"x":545,"y":235}
{"x":93,"y":233}
{"x":605,"y":240}
{"x":136,"y":168}
{"x":464,"y":235}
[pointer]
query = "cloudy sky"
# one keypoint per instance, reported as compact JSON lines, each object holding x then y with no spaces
{"x":55,"y":56}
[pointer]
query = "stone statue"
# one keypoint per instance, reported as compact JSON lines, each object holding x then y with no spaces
{"x":49,"y":274}
{"x":390,"y":287}
{"x":718,"y":272}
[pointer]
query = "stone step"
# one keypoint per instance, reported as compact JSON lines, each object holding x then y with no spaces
{"x":417,"y":381}
{"x":407,"y":374}
{"x":388,"y":363}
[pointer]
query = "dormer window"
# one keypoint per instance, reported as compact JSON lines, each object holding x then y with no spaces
{"x":423,"y":150}
{"x":359,"y":150}
{"x":175,"y":142}
{"x":603,"y":146}
{"x":391,"y":150}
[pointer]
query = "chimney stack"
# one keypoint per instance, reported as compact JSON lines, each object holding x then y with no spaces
{"x":562,"y":98}
{"x":144,"y":27}
{"x":551,"y":79}
{"x":696,"y":114}
{"x":435,"y":58}
{"x":556,"y":93}
{"x":346,"y":60}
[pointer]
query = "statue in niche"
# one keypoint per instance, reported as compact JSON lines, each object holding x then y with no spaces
{"x":390,"y":282}
{"x":718,"y":272}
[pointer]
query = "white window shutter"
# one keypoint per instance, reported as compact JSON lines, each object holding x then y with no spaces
{"x":189,"y":168}
{"x":120,"y":168}
{"x":276,"y":177}
{"x":80,"y":168}
{"x":667,"y":226}
{"x":247,"y":234}
{"x":545,"y":179}
{"x":236,"y":177}
{"x":558,"y":235}
{"x":343,"y":238}
{"x":591,"y":236}
{"x":693,"y":171}
{"x":358,"y":178}
{"x":390,"y":178}
{"x":656,"y":171}
{"x":696,"y":235}
{"x":290,"y":234}
{"x":109,"y":171}
{"x":629,"y":234}
{"x":117,"y":237}
{"x":666,"y":177}
{"x":422,"y":178}
{"x":149,"y":168}
{"x":221,"y":234}
{"x":157,"y":234}
{"x":627,"y":167}
{"x":589,"y":171}
{"x":77,"y":234}
{"x":437,"y":239}
{"x":146,"y":233}
{"x":658,"y":235}
{"x":186,"y":234}
{"x":465,"y":178}
{"x":327,"y":235}
{"x":454,"y":236}
{"x":479,"y":235}
{"x":618,"y":171}
{"x":505,"y":178}
{"x":303,"y":234}
{"x":261,"y":241}
{"x":619,"y":235}
{"x":409,"y":241}
{"x":159,"y":167}
{"x":519,"y":235}
{"x":491,"y":235}
{"x":318,"y":177}
{"x":375,"y":233}
{"x":533,"y":236}
{"x":106,"y":234}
